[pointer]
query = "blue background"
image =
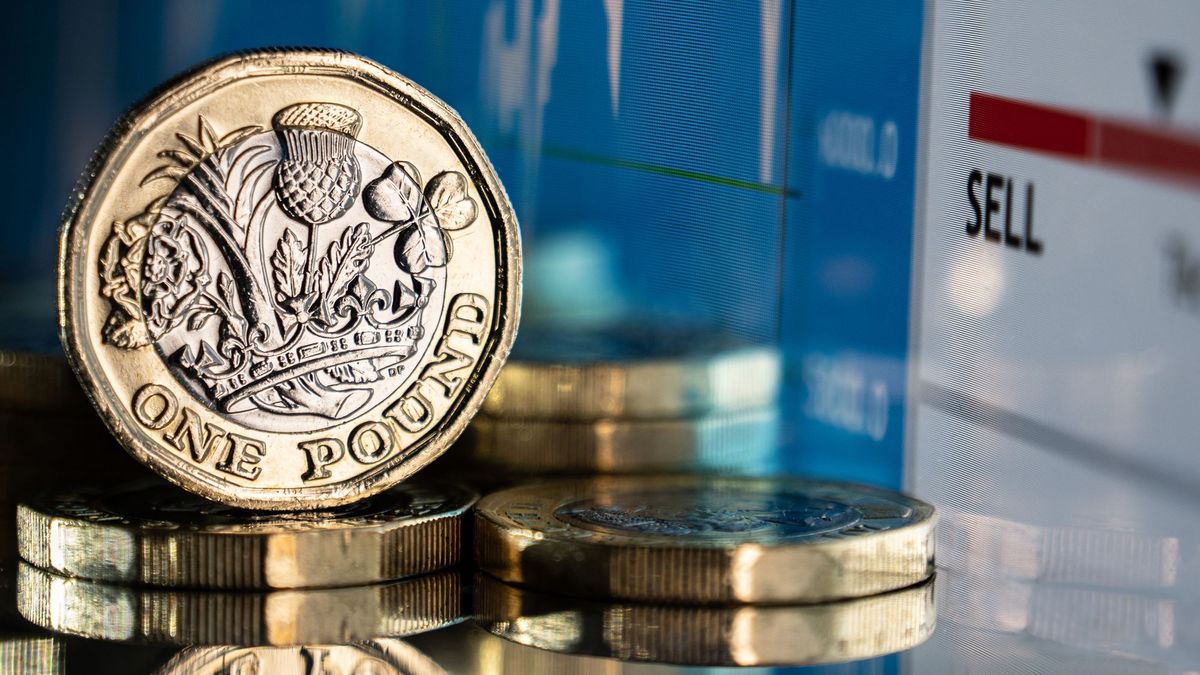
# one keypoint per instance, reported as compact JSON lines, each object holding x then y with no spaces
{"x":680,"y":165}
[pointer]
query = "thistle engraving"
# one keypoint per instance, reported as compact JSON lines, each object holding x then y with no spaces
{"x":274,"y":283}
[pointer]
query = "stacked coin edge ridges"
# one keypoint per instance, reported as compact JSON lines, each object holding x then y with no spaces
{"x":184,"y":559}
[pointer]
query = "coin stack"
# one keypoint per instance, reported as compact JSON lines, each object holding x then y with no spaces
{"x":48,"y":438}
{"x":147,"y":562}
{"x":627,"y":397}
{"x":706,"y":570}
{"x":288,"y":282}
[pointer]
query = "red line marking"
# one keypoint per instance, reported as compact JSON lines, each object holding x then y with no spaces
{"x":1033,"y":127}
{"x":1090,"y":138}
{"x":1148,"y":149}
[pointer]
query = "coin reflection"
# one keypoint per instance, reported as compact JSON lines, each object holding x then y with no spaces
{"x":29,"y":653}
{"x":709,"y":635}
{"x":280,"y":618}
{"x":370,"y":657}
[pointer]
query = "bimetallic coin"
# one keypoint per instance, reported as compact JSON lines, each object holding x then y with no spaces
{"x":118,"y":613}
{"x":778,"y":635}
{"x":632,"y":370}
{"x":288,"y":279}
{"x":705,"y":538}
{"x":741,"y":442}
{"x":154,"y":534}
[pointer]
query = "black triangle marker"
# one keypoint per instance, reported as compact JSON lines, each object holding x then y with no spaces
{"x":1166,"y":69}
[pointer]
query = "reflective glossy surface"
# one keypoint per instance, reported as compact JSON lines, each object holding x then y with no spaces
{"x":798,"y":173}
{"x":981,"y":628}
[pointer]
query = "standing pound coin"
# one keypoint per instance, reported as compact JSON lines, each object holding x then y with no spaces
{"x":288,"y":279}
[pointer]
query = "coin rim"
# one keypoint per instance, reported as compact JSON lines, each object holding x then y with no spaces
{"x":701,"y":570}
{"x":373,"y":76}
{"x":210,"y":551}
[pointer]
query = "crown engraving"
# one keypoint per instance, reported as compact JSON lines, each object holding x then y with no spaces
{"x":271,"y":280}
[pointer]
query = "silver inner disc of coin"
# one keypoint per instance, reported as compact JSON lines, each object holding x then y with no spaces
{"x":158,"y":506}
{"x":279,"y":299}
{"x":712,"y":514}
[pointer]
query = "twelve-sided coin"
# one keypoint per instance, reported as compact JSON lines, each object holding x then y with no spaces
{"x":150,"y":533}
{"x":705,"y":538}
{"x":288,"y":279}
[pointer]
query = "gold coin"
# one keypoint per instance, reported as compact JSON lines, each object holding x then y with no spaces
{"x":289,"y":279}
{"x":370,"y":657}
{"x":39,"y":383}
{"x":154,"y":534}
{"x":116,"y":613}
{"x":705,"y":538}
{"x":741,"y":442}
{"x":775,"y":635}
{"x":631,"y":370}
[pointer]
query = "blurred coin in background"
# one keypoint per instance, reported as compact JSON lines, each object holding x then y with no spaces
{"x":40,"y":382}
{"x":50,"y":438}
{"x":118,"y":613}
{"x":288,"y":279}
{"x":705,"y":538}
{"x":699,"y":635}
{"x":741,"y":442}
{"x":632,"y":370}
{"x":154,"y":534}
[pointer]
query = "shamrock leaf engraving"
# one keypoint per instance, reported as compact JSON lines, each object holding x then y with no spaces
{"x":421,"y":246}
{"x":395,"y":197}
{"x":447,"y":196}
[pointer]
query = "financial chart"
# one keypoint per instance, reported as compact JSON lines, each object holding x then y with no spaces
{"x":969,"y":227}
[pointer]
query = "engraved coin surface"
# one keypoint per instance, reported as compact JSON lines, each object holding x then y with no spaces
{"x":119,"y":613}
{"x":381,"y":656}
{"x":151,"y":533}
{"x":288,"y":279}
{"x":705,"y":539}
{"x":698,"y":635}
{"x":368,"y":657}
{"x":632,"y":371}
